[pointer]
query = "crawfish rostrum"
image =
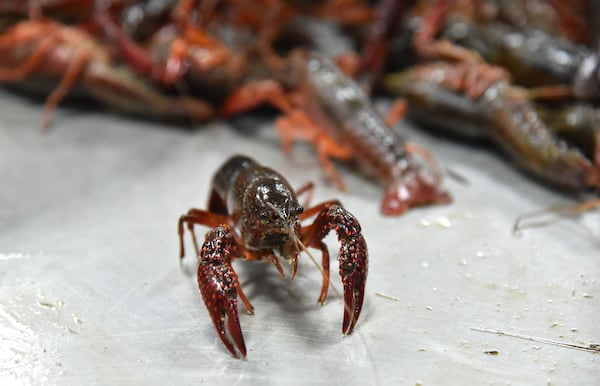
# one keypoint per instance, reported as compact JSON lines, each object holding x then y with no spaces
{"x":255,"y":215}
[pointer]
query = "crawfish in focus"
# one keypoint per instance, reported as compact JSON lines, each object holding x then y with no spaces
{"x":255,"y":215}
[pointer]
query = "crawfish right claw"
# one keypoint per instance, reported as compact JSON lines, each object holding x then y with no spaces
{"x":218,"y":284}
{"x":353,"y":260}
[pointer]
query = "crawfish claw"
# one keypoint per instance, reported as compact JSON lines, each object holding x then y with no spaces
{"x":354,"y":287}
{"x":353,"y":270}
{"x":353,"y":261}
{"x":219,"y":287}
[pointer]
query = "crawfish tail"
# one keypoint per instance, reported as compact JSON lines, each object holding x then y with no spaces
{"x":378,"y":148}
{"x":520,"y":131}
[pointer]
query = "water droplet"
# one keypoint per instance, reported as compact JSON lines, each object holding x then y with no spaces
{"x":443,"y":222}
{"x":424,"y":223}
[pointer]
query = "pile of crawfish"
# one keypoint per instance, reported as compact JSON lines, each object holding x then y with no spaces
{"x":522,"y":74}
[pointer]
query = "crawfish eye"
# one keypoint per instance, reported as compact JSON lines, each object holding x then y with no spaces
{"x":296,"y":210}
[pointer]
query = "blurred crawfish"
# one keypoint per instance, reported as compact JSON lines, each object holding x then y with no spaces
{"x":534,"y":57}
{"x":67,"y":11}
{"x":477,"y":100}
{"x":330,"y":110}
{"x":534,"y":43}
{"x":205,"y":50}
{"x":255,"y":215}
{"x":46,"y":50}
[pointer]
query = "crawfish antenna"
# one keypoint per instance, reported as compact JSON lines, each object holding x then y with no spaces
{"x":544,"y":217}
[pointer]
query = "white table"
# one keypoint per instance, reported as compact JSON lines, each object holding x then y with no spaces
{"x":92,"y":292}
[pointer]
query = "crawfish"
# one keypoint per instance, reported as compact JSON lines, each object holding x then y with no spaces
{"x":255,"y":215}
{"x":191,"y":52}
{"x":344,"y":111}
{"x":532,"y":56}
{"x":578,"y":123}
{"x":442,"y":95}
{"x":51,"y":51}
{"x":330,"y":110}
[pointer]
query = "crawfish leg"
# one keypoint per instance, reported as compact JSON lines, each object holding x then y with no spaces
{"x":353,"y":255}
{"x":254,"y":94}
{"x":299,"y":125}
{"x":24,"y":69}
{"x":325,"y":264}
{"x":219,"y":287}
{"x":193,"y":217}
{"x":375,"y":52}
{"x":131,"y":52}
{"x":35,"y":60}
{"x":396,"y":113}
{"x":74,"y":69}
{"x":307,"y":189}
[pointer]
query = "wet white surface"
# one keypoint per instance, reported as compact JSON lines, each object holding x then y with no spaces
{"x":92,"y":292}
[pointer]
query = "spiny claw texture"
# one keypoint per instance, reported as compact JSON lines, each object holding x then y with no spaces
{"x":218,"y":285}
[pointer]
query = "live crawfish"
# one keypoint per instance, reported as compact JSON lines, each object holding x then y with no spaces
{"x":255,"y":215}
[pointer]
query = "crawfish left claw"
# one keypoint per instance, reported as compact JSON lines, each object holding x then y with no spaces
{"x":219,"y":287}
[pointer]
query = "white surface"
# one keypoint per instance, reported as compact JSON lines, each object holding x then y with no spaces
{"x":92,"y":292}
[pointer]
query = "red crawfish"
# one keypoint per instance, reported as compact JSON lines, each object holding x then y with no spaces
{"x":255,"y":215}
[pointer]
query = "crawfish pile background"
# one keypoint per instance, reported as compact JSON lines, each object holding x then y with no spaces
{"x":91,"y":291}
